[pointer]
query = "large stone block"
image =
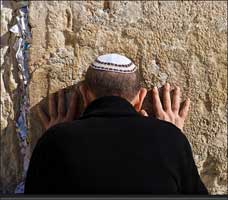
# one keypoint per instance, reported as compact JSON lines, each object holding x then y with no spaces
{"x":181,"y":42}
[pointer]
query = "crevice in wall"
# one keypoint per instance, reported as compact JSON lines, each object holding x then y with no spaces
{"x":19,"y":56}
{"x":107,"y":6}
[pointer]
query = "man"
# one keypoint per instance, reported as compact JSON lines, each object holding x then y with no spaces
{"x":114,"y":147}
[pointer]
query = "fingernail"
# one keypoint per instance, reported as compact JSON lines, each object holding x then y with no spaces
{"x":155,"y":89}
{"x":144,"y":113}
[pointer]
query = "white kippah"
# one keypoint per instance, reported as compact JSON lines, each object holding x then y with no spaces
{"x":114,"y":63}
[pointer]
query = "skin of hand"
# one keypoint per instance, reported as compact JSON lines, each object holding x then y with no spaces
{"x":57,"y":113}
{"x":171,"y":110}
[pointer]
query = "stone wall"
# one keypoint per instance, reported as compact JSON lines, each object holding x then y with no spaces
{"x":10,"y":158}
{"x":180,"y":42}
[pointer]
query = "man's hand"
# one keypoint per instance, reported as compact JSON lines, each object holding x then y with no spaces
{"x":57,"y":114}
{"x":170,"y":110}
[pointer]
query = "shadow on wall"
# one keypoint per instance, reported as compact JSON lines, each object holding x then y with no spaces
{"x":9,"y":146}
{"x":12,"y":158}
{"x":36,"y":130}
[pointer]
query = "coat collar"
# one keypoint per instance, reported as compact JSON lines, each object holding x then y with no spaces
{"x":109,"y":106}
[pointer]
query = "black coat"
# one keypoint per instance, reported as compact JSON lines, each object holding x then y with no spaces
{"x":111,"y":149}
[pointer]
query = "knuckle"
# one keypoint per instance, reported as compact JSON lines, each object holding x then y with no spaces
{"x":154,"y":92}
{"x":63,"y":119}
{"x":171,"y":116}
{"x":177,"y":88}
{"x":61,"y":113}
{"x":52,"y":121}
{"x":52,"y":115}
{"x":183,"y":114}
{"x":59,"y":119}
{"x":167,"y":109}
{"x":175,"y":108}
{"x":67,"y":118}
{"x":167,"y":118}
{"x":166,"y":89}
{"x":161,"y":115}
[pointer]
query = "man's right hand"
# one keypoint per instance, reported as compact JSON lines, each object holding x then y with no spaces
{"x":170,"y":111}
{"x":57,"y":113}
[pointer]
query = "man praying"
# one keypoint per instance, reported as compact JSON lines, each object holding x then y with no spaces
{"x":114,"y":147}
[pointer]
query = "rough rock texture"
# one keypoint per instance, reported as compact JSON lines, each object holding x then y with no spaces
{"x":181,"y":42}
{"x":10,"y":157}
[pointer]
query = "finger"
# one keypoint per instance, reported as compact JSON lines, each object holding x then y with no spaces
{"x":184,"y":110}
{"x":156,"y":102}
{"x":72,"y":110}
{"x":166,"y":97}
{"x":143,"y":113}
{"x":43,"y":117}
{"x":61,"y":105}
{"x":52,"y":106}
{"x":176,"y":100}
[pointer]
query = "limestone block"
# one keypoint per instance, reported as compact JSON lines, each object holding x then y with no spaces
{"x":10,"y":158}
{"x":181,"y":42}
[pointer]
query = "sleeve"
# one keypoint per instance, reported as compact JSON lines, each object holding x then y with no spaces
{"x":191,"y":182}
{"x":43,"y":168}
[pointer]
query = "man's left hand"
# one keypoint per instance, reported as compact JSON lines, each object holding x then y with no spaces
{"x":171,"y":110}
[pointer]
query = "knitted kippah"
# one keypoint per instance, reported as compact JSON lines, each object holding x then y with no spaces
{"x":114,"y":63}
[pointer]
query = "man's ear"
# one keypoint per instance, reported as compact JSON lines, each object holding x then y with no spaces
{"x":139,"y":99}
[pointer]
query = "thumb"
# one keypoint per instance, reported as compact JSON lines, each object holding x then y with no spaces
{"x":143,"y":113}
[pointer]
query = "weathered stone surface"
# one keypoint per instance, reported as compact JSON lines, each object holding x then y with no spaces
{"x":181,"y":42}
{"x":10,"y":157}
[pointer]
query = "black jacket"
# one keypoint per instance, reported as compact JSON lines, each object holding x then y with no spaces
{"x":111,"y":149}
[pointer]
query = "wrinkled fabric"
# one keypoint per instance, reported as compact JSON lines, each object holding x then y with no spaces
{"x":111,"y":149}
